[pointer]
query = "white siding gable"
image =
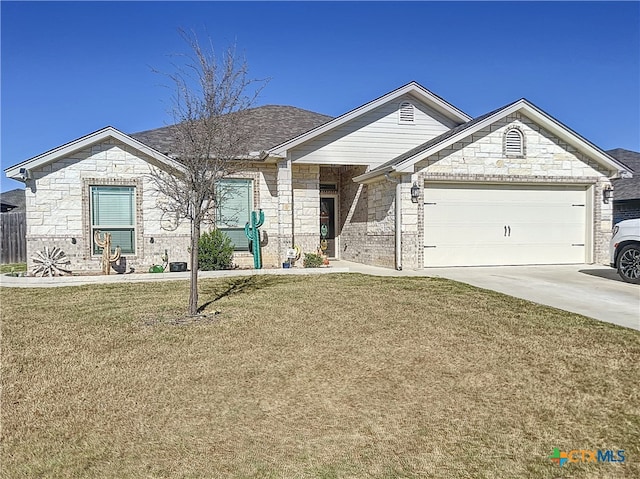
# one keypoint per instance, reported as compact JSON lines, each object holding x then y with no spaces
{"x":374,"y":137}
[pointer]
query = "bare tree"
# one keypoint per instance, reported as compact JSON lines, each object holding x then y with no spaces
{"x":210,"y":97}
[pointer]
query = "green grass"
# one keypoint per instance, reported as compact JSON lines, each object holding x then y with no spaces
{"x":13,"y":268}
{"x":332,"y":376}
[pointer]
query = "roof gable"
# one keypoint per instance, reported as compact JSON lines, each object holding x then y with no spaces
{"x":84,"y":142}
{"x":413,"y":89}
{"x":405,"y":162}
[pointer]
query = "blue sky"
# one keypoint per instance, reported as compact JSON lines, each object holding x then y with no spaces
{"x":69,"y":68}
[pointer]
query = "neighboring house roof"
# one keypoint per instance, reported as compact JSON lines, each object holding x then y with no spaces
{"x":265,"y":126}
{"x":404,"y":163}
{"x":13,"y":200}
{"x":82,"y":143}
{"x":627,"y":188}
{"x":412,"y":88}
{"x":6,"y":207}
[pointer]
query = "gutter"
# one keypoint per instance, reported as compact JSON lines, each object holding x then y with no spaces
{"x":363,"y":178}
{"x":398,"y":220}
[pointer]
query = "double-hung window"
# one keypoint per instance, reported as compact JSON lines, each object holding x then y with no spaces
{"x":113,"y":211}
{"x":235,"y":201}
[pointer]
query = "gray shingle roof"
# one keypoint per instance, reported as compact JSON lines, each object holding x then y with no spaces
{"x":627,"y":188}
{"x":14,"y":199}
{"x":267,"y":126}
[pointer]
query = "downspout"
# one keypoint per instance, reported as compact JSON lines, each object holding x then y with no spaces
{"x":398,"y":220}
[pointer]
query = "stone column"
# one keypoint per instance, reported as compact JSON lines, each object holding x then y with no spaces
{"x":285,"y":208}
{"x":411,"y":237}
{"x":306,"y":207}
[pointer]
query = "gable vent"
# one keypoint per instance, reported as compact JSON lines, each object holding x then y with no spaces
{"x":514,"y":143}
{"x":405,"y":113}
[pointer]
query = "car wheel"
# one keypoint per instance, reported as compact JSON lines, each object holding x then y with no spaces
{"x":629,"y":264}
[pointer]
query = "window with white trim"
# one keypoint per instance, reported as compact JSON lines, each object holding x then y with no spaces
{"x":113,"y":211}
{"x":406,"y":113}
{"x":235,"y":202}
{"x":514,"y":142}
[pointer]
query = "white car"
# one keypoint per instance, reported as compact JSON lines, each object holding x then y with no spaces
{"x":624,"y":250}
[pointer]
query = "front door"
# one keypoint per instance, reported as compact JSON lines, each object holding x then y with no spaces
{"x":328,"y":226}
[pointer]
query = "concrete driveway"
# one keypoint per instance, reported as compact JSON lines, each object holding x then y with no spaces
{"x":591,"y":290}
{"x":595,"y":291}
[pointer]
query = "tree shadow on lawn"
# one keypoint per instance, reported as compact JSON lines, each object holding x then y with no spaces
{"x":243,"y":284}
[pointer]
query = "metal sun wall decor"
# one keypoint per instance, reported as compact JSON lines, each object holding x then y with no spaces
{"x":50,"y":262}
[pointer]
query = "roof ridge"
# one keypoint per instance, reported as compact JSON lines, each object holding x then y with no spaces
{"x":247,"y":110}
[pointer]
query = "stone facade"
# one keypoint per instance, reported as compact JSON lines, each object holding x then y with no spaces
{"x":368,"y":211}
{"x":547,"y":160}
{"x":58,"y":209}
{"x":482,"y":154}
{"x":306,"y":207}
{"x":289,"y":189}
{"x":58,"y":212}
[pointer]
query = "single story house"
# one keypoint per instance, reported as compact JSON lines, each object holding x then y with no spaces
{"x":626,"y":191}
{"x":406,"y":180}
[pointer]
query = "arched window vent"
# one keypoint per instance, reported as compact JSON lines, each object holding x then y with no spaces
{"x":514,"y":142}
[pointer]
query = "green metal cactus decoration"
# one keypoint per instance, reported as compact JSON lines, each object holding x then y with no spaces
{"x":105,"y":244}
{"x":253,"y":235}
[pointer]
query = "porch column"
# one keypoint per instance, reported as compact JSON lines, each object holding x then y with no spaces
{"x":411,"y":237}
{"x":285,"y":209}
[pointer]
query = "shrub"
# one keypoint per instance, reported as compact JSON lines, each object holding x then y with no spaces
{"x":215,"y":251}
{"x":312,"y":260}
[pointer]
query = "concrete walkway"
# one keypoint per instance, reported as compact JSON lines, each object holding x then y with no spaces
{"x":595,"y":291}
{"x":33,"y":282}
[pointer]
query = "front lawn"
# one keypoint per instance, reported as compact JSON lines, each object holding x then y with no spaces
{"x":13,"y":268}
{"x":325,"y":376}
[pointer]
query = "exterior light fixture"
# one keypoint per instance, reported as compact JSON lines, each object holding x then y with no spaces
{"x":415,"y":192}
{"x":607,"y":194}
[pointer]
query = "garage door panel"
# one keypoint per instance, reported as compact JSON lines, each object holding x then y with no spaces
{"x":503,"y":224}
{"x":498,"y":254}
{"x":541,"y":232}
{"x":457,"y":233}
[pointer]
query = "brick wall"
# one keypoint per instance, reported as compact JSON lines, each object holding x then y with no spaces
{"x":353,"y":215}
{"x":367,"y":219}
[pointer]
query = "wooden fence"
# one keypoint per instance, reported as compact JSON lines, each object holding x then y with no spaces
{"x":13,"y":241}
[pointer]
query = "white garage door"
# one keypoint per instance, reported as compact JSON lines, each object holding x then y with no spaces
{"x":503,"y":225}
